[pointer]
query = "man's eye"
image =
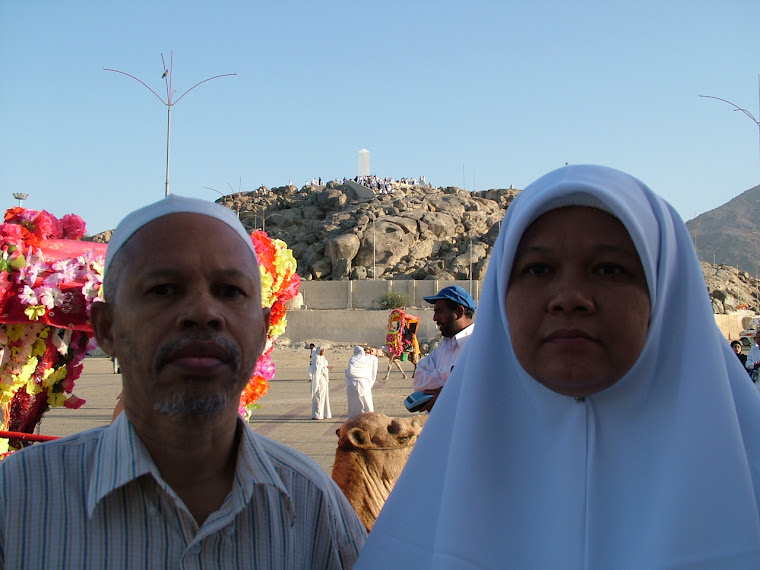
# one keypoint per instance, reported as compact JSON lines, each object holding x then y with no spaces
{"x":231,"y":291}
{"x":163,"y":289}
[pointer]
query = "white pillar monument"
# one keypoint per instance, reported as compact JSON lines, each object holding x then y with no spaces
{"x":364,"y":162}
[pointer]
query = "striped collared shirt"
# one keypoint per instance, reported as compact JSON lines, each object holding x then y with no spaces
{"x":97,"y":500}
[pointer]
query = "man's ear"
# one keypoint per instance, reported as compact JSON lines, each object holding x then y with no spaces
{"x":459,"y":312}
{"x":101,"y":320}
{"x":266,"y":314}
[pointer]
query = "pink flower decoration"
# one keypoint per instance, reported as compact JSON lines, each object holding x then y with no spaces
{"x":264,"y":368}
{"x":12,"y":232}
{"x":73,"y":402}
{"x":73,"y":226}
{"x":48,"y":226}
{"x":28,"y":296}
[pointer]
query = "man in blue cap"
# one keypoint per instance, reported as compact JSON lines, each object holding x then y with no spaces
{"x":453,"y":312}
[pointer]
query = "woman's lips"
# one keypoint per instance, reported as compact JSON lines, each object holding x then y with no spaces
{"x":569,"y":336}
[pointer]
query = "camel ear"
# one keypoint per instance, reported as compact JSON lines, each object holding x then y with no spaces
{"x":359,"y":438}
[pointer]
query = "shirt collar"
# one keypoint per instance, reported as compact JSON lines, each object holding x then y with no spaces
{"x":121,"y":457}
{"x":466,"y":331}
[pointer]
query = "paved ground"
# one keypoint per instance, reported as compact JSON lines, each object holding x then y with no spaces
{"x":285,"y":414}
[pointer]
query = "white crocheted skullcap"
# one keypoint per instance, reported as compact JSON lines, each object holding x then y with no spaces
{"x":172,"y":204}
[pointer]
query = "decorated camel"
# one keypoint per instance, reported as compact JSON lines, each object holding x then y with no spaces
{"x":395,"y":359}
{"x":401,"y":341}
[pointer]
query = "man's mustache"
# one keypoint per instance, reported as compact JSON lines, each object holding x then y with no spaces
{"x":199,"y":346}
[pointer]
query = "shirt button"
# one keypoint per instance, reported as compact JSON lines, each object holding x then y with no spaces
{"x":229,"y":530}
{"x":195,"y":548}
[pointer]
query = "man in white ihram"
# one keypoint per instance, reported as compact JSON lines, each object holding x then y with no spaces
{"x":178,"y":480}
{"x":753,"y":358}
{"x":453,"y":312}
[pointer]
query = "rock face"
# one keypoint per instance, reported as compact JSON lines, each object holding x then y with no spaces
{"x":731,"y":289}
{"x":339,"y":231}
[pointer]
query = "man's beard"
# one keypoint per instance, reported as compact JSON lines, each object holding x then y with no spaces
{"x":196,"y":403}
{"x":447,"y":330}
{"x":192,"y":404}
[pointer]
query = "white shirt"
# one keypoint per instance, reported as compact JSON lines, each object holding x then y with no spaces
{"x":433,"y":370}
{"x":753,"y":356}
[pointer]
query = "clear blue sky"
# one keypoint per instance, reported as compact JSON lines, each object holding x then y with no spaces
{"x":480,"y":95}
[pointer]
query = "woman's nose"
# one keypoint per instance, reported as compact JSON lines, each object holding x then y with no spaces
{"x":571,"y":293}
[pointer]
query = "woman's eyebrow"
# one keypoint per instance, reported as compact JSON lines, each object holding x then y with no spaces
{"x":528,"y":249}
{"x":598,"y":248}
{"x":626,"y":250}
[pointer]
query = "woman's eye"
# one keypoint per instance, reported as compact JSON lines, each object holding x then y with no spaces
{"x":536,"y":269}
{"x":610,"y":269}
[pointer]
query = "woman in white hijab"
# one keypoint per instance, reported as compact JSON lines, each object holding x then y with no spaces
{"x":320,"y":387}
{"x":360,"y":377}
{"x":598,"y":418}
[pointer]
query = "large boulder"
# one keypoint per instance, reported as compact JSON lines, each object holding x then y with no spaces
{"x":384,"y":245}
{"x":331,"y":199}
{"x":341,"y":250}
{"x":320,"y":268}
{"x":438,"y":223}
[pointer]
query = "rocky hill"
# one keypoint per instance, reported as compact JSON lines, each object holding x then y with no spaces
{"x":731,"y":289}
{"x":730,"y":234}
{"x":347,"y":231}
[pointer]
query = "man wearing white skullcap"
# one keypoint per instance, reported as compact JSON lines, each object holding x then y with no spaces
{"x":178,"y":479}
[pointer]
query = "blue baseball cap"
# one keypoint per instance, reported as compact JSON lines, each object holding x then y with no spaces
{"x":454,"y":293}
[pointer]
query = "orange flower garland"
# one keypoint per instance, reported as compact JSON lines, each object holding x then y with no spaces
{"x":279,"y":284}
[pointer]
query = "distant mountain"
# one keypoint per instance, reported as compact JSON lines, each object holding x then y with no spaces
{"x":730,"y":234}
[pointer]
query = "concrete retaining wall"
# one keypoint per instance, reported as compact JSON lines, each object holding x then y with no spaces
{"x":352,"y":327}
{"x":732,"y":325}
{"x":368,"y":327}
{"x":365,"y":294}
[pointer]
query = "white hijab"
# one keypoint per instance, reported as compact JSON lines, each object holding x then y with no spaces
{"x":662,"y":469}
{"x":362,"y":368}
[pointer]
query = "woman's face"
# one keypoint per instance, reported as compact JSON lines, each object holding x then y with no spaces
{"x":577,"y":301}
{"x":737,"y":348}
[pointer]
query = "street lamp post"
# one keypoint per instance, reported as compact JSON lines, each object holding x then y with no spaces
{"x":223,"y":195}
{"x":470,"y":234}
{"x":169,"y":102}
{"x":713,"y":252}
{"x":374,"y":268}
{"x":737,"y":108}
{"x":696,"y":227}
{"x":20,"y":196}
{"x":264,"y":220}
